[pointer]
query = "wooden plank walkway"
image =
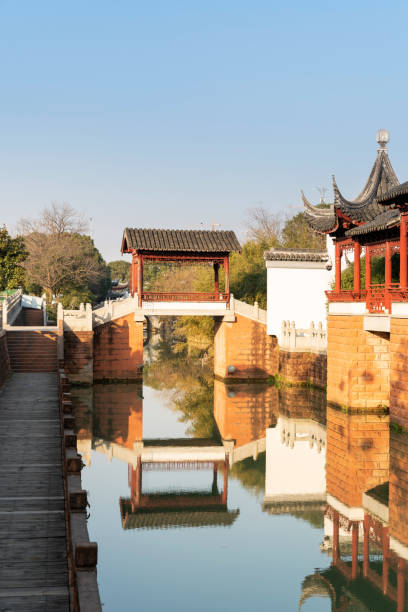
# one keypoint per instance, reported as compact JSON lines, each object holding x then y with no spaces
{"x":33,"y":557}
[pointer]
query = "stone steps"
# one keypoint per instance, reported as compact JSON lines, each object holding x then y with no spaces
{"x":32,"y":351}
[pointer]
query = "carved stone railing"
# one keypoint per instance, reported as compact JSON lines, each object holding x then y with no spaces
{"x":111,"y":310}
{"x":312,"y":339}
{"x":76,"y":320}
{"x":246,"y":310}
{"x":11,"y":307}
{"x":184,"y":296}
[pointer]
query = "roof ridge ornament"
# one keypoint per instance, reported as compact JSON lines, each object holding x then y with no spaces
{"x":382,"y":138}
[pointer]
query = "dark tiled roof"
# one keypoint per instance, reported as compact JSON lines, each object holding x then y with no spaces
{"x":197,"y":241}
{"x":322,"y":220}
{"x":296,"y":255}
{"x":395,"y":192}
{"x":382,"y":221}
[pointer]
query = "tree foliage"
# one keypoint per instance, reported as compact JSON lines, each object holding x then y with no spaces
{"x":119,"y":269}
{"x":297,"y":234}
{"x":12,"y":255}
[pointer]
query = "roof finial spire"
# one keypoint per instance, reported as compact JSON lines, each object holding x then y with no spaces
{"x":382,"y":139}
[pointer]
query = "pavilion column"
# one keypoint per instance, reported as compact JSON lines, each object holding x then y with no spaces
{"x":367,"y":268}
{"x":387,"y":264}
{"x":226,"y":271}
{"x":366,"y":546}
{"x":400,"y":586}
{"x":337,"y":269}
{"x":140,"y":278}
{"x":134,"y":274}
{"x":216,"y":280}
{"x":225,"y":488}
{"x":403,"y":251}
{"x":335,"y":537}
{"x":385,"y":552}
{"x":357,"y":253}
{"x":354,"y":550}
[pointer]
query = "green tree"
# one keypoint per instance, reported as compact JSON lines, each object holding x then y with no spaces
{"x":12,"y":255}
{"x":297,"y":234}
{"x":119,"y":269}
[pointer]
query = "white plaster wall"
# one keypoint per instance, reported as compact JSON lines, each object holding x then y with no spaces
{"x":296,"y":294}
{"x":289,"y":471}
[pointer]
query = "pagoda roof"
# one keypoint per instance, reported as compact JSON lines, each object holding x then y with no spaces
{"x":296,"y":255}
{"x":367,"y":206}
{"x":395,"y":193}
{"x":384,"y":220}
{"x":185,"y":241}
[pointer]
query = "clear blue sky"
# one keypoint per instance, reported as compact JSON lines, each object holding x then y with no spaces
{"x":172,"y":114}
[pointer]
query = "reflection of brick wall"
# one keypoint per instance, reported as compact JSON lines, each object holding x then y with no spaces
{"x":243,"y":411}
{"x":358,"y":364}
{"x":78,"y":356}
{"x":4,"y":359}
{"x":399,"y":371}
{"x":303,"y":403}
{"x":246,"y":346}
{"x":118,"y":413}
{"x":357,"y":458}
{"x":302,"y":368}
{"x":118,"y":350}
{"x":398,"y":501}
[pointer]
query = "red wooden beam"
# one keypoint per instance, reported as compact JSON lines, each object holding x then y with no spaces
{"x":403,"y":251}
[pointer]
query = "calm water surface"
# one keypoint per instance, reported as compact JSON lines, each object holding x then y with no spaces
{"x":171,"y":538}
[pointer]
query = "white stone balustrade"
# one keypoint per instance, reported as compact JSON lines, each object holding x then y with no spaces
{"x":11,"y":307}
{"x":313,"y":339}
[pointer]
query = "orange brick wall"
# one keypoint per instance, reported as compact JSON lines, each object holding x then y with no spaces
{"x":4,"y":360}
{"x":398,"y":501}
{"x":78,"y":356}
{"x":243,"y":411}
{"x":303,"y":368}
{"x":358,"y":364}
{"x":118,"y":350}
{"x":399,"y":371}
{"x":118,"y":413}
{"x":246,"y":346}
{"x":357,"y":454}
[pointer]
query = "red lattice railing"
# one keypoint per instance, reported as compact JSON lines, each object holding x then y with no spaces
{"x":156,"y":296}
{"x":346,"y":295}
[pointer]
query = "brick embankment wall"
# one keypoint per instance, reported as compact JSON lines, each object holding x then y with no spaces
{"x":247,"y":347}
{"x":5,"y":369}
{"x":243,"y":411}
{"x":303,"y":403}
{"x":118,"y":350}
{"x":303,"y":368}
{"x":32,"y":351}
{"x":358,"y":364}
{"x":78,"y":356}
{"x":30,"y":317}
{"x":357,"y":454}
{"x":398,"y":500}
{"x":118,"y":411}
{"x":399,"y":371}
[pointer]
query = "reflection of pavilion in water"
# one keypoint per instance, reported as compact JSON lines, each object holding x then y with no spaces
{"x":366,"y":515}
{"x":117,"y":432}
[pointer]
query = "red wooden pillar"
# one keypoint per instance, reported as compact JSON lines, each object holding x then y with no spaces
{"x":354,"y":550}
{"x":400,"y":586}
{"x":387,"y":264}
{"x":385,"y":553}
{"x":357,"y":253}
{"x":335,"y":536}
{"x":225,"y":488}
{"x":216,"y":281}
{"x":403,"y":251}
{"x":337,"y":269}
{"x":215,"y":482}
{"x":367,"y":268}
{"x":366,"y":546}
{"x":134,"y":274}
{"x":226,"y":271}
{"x":140,"y":278}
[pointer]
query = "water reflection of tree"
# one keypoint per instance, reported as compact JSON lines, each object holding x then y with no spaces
{"x":251,"y":473}
{"x":188,"y":383}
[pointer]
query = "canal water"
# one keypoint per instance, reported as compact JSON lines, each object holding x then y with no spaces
{"x":176,"y":530}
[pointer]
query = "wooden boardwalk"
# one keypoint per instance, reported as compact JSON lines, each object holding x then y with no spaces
{"x":33,"y":557}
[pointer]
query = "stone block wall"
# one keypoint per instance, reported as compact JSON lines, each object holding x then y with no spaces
{"x":246,"y":346}
{"x":358,"y":364}
{"x":4,"y":358}
{"x":303,"y":368}
{"x":118,"y":350}
{"x":78,"y":356}
{"x":398,"y":499}
{"x":357,"y":454}
{"x":399,"y":371}
{"x":303,"y":403}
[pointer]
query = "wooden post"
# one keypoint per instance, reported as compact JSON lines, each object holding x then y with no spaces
{"x":214,"y":488}
{"x":354,"y":550}
{"x":385,"y":552}
{"x":226,"y":271}
{"x":357,"y":253}
{"x":134,"y":274}
{"x":366,"y":546}
{"x":140,"y":278}
{"x":400,"y":586}
{"x":337,"y":269}
{"x":216,"y":281}
{"x":367,"y":268}
{"x":225,"y":488}
{"x":387,"y":264}
{"x":335,"y":537}
{"x":403,"y":251}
